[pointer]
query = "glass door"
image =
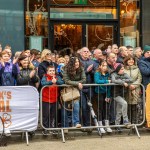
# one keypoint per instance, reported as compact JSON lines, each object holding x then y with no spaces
{"x":100,"y":36}
{"x":67,"y":36}
{"x":75,"y":36}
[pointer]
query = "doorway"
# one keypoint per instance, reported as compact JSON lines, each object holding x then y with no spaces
{"x":75,"y":36}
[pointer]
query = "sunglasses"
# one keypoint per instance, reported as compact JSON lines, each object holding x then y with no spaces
{"x":48,"y":54}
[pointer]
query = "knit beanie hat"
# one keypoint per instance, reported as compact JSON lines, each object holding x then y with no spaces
{"x":117,"y":67}
{"x":146,"y":49}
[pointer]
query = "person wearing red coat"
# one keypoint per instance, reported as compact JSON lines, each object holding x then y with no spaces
{"x":49,"y":97}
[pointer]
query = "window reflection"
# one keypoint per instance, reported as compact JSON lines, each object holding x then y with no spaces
{"x":129,"y":22}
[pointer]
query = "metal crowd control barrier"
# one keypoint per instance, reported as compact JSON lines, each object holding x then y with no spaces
{"x":54,"y":123}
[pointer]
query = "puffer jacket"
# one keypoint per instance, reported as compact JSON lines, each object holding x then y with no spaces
{"x":132,"y":97}
{"x":120,"y":90}
{"x":23,"y":77}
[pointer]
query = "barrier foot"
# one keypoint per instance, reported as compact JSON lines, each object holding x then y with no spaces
{"x":62,"y":134}
{"x":27,"y":139}
{"x":136,"y":129}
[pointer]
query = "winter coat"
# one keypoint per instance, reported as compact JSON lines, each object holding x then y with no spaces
{"x":90,"y":74}
{"x":102,"y":79}
{"x":8,"y":74}
{"x":79,"y":77}
{"x":133,"y":96}
{"x":50,"y":93}
{"x":23,"y":77}
{"x":120,"y":90}
{"x":144,"y":66}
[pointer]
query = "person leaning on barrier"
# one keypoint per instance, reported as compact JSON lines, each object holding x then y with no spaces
{"x":144,"y":66}
{"x":49,"y":98}
{"x":102,"y":76}
{"x":134,"y":91}
{"x":73,"y":75}
{"x":121,"y":78}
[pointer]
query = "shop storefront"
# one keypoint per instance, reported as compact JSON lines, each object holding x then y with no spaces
{"x":57,"y":24}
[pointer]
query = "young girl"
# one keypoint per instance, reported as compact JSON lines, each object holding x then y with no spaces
{"x":101,"y":76}
{"x":121,"y":78}
{"x":49,"y":97}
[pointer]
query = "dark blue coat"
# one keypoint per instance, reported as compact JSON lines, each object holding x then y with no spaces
{"x":144,"y":66}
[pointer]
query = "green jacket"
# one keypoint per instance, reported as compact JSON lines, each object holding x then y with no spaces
{"x":80,"y":77}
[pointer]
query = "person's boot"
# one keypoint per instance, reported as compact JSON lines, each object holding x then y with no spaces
{"x":101,"y":129}
{"x":108,"y":129}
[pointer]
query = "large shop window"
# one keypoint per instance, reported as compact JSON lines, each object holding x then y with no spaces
{"x":130,"y":22}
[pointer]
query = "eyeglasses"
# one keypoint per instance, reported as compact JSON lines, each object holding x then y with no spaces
{"x":48,"y":54}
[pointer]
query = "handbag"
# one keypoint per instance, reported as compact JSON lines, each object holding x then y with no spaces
{"x":69,"y":94}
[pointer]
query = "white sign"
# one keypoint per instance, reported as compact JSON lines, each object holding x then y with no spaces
{"x":19,"y":107}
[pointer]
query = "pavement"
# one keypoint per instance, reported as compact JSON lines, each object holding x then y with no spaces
{"x":78,"y":140}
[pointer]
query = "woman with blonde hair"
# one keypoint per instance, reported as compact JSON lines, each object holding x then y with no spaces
{"x":46,"y":62}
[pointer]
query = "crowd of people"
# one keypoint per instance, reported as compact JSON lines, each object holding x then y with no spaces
{"x":126,"y":66}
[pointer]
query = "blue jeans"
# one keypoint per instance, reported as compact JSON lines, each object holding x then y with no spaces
{"x":75,"y":114}
{"x":85,"y":109}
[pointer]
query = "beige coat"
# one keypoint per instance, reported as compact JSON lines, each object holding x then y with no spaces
{"x":133,"y":96}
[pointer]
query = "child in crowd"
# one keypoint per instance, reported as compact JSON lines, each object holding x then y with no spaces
{"x":121,"y":78}
{"x":102,"y":76}
{"x":49,"y":97}
{"x":61,"y":63}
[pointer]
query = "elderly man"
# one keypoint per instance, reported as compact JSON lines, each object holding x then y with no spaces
{"x":89,"y":69}
{"x":123,"y":52}
{"x":98,"y":56}
{"x":144,"y":66}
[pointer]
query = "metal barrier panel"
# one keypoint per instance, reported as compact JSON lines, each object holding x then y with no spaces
{"x":19,"y":109}
{"x":109,"y":108}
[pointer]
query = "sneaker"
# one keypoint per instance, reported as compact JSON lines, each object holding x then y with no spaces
{"x":78,"y":125}
{"x":54,"y":132}
{"x":101,"y":129}
{"x":127,"y":124}
{"x":118,"y":129}
{"x":45,"y":132}
{"x":108,"y":129}
{"x":7,"y":132}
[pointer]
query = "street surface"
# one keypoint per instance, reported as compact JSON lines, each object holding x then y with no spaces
{"x":82,"y":141}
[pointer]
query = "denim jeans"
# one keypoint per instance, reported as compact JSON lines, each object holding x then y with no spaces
{"x":85,"y":117}
{"x":75,"y":114}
